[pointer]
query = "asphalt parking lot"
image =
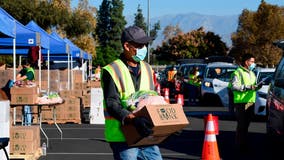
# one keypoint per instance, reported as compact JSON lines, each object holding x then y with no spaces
{"x":86,"y":141}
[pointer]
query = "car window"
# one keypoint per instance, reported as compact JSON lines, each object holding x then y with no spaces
{"x":279,"y":74}
{"x":267,"y":75}
{"x":185,"y":70}
{"x":221,"y":73}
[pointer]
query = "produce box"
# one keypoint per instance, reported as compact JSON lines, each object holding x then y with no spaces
{"x":166,"y":119}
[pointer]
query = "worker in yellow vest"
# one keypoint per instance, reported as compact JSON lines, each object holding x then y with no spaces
{"x":171,"y":78}
{"x":194,"y":86}
{"x":244,"y":87}
{"x":120,"y":79}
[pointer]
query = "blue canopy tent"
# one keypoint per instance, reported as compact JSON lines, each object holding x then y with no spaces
{"x":76,"y":51}
{"x":57,"y":37}
{"x":4,"y":30}
{"x":32,"y":25}
{"x":24,"y":50}
{"x":7,"y":28}
{"x":24,"y":37}
{"x":57,"y":47}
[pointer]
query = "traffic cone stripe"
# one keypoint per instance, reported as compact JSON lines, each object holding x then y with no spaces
{"x":210,"y":126}
{"x":159,"y":89}
{"x":167,"y":99}
{"x":210,"y":138}
{"x":180,"y":99}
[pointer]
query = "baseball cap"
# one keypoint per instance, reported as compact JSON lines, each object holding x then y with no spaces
{"x":136,"y":35}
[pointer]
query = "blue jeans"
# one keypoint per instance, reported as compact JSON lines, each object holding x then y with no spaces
{"x":121,"y":151}
{"x":27,"y":116}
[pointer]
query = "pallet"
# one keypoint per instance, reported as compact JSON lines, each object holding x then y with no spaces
{"x":75,"y":121}
{"x":24,"y":156}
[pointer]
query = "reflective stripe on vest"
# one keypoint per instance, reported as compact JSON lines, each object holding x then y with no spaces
{"x":123,"y":81}
{"x":246,"y":78}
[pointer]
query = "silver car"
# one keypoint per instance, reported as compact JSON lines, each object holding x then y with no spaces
{"x":265,"y":75}
{"x":216,"y":78}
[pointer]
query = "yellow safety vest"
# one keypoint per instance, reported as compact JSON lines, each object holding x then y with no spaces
{"x":171,"y":75}
{"x":246,"y":78}
{"x":193,"y":80}
{"x":123,"y":81}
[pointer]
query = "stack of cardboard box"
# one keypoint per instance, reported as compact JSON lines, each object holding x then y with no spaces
{"x":24,"y":139}
{"x":69,"y":111}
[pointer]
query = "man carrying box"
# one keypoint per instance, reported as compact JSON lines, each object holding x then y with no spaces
{"x":120,"y":79}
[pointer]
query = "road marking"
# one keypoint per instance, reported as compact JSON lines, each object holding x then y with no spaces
{"x":106,"y":153}
{"x":74,"y":128}
{"x":91,"y":138}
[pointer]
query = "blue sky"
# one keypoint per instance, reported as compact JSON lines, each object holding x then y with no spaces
{"x":209,"y":7}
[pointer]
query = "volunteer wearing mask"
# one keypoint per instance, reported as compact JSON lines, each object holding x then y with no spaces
{"x":244,"y":87}
{"x":120,"y":79}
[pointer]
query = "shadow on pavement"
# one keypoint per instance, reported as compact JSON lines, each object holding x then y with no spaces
{"x":190,"y":143}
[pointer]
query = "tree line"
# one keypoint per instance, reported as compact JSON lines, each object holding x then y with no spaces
{"x":255,"y":34}
{"x":98,"y":31}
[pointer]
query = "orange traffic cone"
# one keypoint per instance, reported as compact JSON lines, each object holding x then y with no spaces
{"x":210,"y":148}
{"x":166,"y":95}
{"x":180,"y":99}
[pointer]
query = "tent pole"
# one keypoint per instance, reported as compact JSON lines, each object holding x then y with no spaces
{"x":83,"y":70}
{"x":68,"y":71}
{"x":71,"y":67}
{"x":39,"y":68}
{"x":14,"y":59}
{"x":48,"y":72}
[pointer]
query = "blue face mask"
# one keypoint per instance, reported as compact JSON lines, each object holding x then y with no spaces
{"x":252,"y":66}
{"x":140,"y":54}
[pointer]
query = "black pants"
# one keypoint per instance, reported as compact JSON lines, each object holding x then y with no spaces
{"x":172,"y":89}
{"x":244,"y":117}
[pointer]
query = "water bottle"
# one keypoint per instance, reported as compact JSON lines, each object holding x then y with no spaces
{"x":44,"y":149}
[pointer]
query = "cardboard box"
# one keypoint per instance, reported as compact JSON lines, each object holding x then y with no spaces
{"x":25,"y":90}
{"x":24,"y":139}
{"x":23,"y":147}
{"x":23,"y":99}
{"x":166,"y":119}
{"x":95,"y":84}
{"x":77,"y":92}
{"x":24,"y":133}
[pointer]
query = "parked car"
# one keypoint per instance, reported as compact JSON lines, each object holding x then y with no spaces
{"x":216,"y":78}
{"x":275,"y":103}
{"x":183,"y":74}
{"x":265,"y":75}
